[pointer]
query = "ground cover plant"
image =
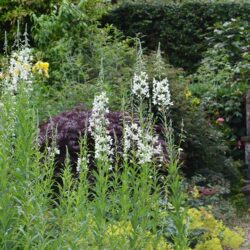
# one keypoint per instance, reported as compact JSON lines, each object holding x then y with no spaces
{"x":96,"y":139}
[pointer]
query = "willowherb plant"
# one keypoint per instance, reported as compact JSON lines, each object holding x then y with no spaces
{"x":98,"y":127}
{"x":146,"y":144}
{"x":140,"y":83}
{"x":161,"y":94}
{"x":73,"y":124}
{"x":140,"y":86}
{"x":17,"y":78}
{"x":82,"y":163}
{"x":159,"y":65}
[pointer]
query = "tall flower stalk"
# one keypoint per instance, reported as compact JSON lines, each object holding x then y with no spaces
{"x":98,"y":123}
{"x":161,"y":98}
{"x":103,"y":150}
{"x":140,"y":82}
{"x":161,"y":92}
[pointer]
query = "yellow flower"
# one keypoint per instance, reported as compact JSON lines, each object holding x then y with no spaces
{"x":42,"y":68}
{"x":201,"y":219}
{"x":195,"y":218}
{"x":161,"y":244}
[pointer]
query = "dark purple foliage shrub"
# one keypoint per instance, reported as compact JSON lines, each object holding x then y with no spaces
{"x":70,"y":126}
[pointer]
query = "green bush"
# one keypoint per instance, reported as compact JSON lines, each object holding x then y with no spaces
{"x":77,"y":49}
{"x":116,"y":205}
{"x":23,"y":10}
{"x":181,"y":28}
{"x":222,"y":79}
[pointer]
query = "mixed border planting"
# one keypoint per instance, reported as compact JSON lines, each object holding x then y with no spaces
{"x":106,"y":146}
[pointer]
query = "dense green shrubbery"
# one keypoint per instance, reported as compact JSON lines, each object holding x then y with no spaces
{"x":120,"y":207}
{"x":71,"y":41}
{"x":222,"y":80}
{"x":181,"y":29}
{"x":68,"y":36}
{"x":221,"y":83}
{"x":124,"y":202}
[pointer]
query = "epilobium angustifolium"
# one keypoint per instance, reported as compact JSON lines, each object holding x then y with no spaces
{"x":144,"y":142}
{"x":140,"y":86}
{"x":82,"y":164}
{"x":52,"y":151}
{"x":161,"y":94}
{"x":98,"y":127}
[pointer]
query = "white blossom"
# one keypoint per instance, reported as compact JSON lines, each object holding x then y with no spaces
{"x":140,"y":87}
{"x":161,"y":93}
{"x":99,"y":111}
{"x":147,"y":148}
{"x":19,"y":69}
{"x":52,"y":152}
{"x":145,"y":143}
{"x":98,"y":127}
{"x":132,"y":133}
{"x":82,"y":164}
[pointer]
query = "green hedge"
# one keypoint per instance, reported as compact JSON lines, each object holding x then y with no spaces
{"x":181,"y":28}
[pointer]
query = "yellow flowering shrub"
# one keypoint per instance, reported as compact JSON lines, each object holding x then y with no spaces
{"x":119,"y":235}
{"x":215,"y":235}
{"x":42,"y":68}
{"x":232,"y":239}
{"x":122,"y":232}
{"x":212,"y":244}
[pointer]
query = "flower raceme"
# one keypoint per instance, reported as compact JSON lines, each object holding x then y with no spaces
{"x":161,"y":94}
{"x":144,"y":141}
{"x":98,"y":127}
{"x":140,"y":86}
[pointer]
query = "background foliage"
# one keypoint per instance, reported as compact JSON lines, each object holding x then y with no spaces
{"x":181,"y":28}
